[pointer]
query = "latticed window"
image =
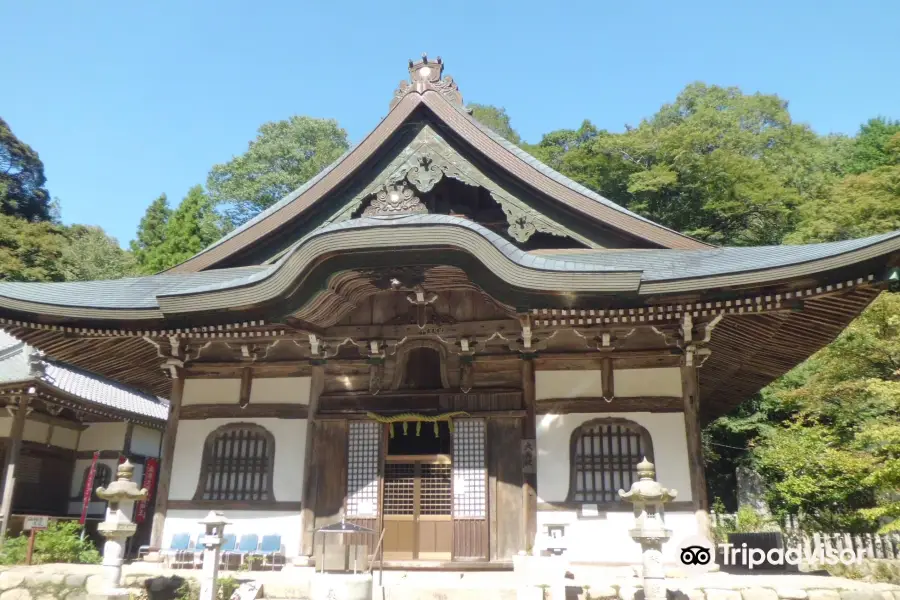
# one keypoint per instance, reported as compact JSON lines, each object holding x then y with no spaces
{"x":362,"y":469}
{"x":238,"y":460}
{"x":469,"y":474}
{"x":604,"y":454}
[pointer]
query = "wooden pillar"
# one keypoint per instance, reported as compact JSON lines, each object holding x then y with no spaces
{"x":529,"y":432}
{"x":12,"y":458}
{"x":690,"y":387}
{"x":161,"y":505}
{"x":310,"y":479}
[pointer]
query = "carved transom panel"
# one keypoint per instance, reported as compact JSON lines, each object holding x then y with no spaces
{"x":393,"y":200}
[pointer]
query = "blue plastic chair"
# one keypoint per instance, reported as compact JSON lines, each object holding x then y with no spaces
{"x":270,"y":548}
{"x":178,"y":548}
{"x":248,"y":545}
{"x":229,"y":544}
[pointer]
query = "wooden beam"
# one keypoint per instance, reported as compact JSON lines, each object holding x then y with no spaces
{"x":529,"y":435}
{"x":129,"y":433}
{"x":273,"y":410}
{"x":13,"y":449}
{"x":308,"y":494}
{"x":607,"y":374}
{"x":690,"y":386}
{"x":246,"y":387}
{"x":597,"y":404}
{"x":286,"y":506}
{"x":166,"y":461}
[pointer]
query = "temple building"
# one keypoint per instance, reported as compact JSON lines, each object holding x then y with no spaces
{"x":64,"y":427}
{"x":443,"y":339}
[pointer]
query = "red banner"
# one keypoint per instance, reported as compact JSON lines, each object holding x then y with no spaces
{"x":150,"y":469}
{"x":88,"y":488}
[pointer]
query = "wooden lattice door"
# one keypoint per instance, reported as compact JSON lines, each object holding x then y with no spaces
{"x":416,"y":508}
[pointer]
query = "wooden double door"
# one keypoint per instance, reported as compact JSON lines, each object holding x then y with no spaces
{"x":417,"y":508}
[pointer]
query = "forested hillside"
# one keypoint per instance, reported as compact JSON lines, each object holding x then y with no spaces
{"x":718,"y":164}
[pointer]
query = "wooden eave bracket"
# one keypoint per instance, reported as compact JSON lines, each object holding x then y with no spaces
{"x":694,"y":343}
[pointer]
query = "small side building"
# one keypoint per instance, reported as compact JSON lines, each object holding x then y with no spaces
{"x":56,"y":418}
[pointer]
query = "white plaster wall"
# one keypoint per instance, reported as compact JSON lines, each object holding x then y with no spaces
{"x":659,"y":381}
{"x":211,"y":391}
{"x":669,"y":448}
{"x":280,"y":390}
{"x":606,"y":540}
{"x":65,"y":438}
{"x":103,"y":436}
{"x":145,"y":441}
{"x":286,"y":524}
{"x":290,"y":444}
{"x":35,"y":432}
{"x":568,"y":384}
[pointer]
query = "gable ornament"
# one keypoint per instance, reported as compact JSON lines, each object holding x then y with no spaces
{"x":395,"y":200}
{"x":425,"y":75}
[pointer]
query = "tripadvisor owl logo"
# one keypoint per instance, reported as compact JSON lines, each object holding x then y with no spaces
{"x":696,"y":555}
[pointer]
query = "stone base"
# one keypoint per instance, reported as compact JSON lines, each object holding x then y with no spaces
{"x":303,"y":561}
{"x":153,"y":557}
{"x":334,"y":586}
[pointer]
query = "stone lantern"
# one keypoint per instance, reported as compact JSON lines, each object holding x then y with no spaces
{"x":214,"y":528}
{"x":121,"y":495}
{"x":649,"y":499}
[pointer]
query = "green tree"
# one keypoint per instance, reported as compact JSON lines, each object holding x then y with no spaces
{"x":836,"y":460}
{"x":496,"y":119}
{"x":284,"y":156}
{"x":151,"y":232}
{"x":717,"y":164}
{"x":22,"y":191}
{"x":873,"y":146}
{"x":90,"y":254}
{"x":30,"y":251}
{"x":192,"y":226}
{"x":861,"y":204}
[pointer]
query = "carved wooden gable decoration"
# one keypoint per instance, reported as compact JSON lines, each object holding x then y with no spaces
{"x":421,"y":165}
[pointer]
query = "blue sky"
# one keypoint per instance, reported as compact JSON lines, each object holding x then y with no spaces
{"x":125,"y":100}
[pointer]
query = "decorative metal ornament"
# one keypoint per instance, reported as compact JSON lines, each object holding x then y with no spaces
{"x":425,"y":75}
{"x":394,"y":200}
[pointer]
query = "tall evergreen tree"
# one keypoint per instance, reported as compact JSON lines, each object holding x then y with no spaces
{"x":190,"y":228}
{"x":151,"y":234}
{"x":22,"y":191}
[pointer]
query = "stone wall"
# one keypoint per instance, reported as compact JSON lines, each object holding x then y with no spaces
{"x":49,"y":582}
{"x":63,"y":582}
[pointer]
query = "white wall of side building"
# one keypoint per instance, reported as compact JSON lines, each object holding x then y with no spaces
{"x":604,"y":538}
{"x":290,"y":446}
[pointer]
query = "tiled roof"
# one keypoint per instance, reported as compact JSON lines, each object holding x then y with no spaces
{"x":20,"y":362}
{"x":653,"y":265}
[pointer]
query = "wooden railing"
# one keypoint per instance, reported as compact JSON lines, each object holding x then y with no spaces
{"x":872,"y":545}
